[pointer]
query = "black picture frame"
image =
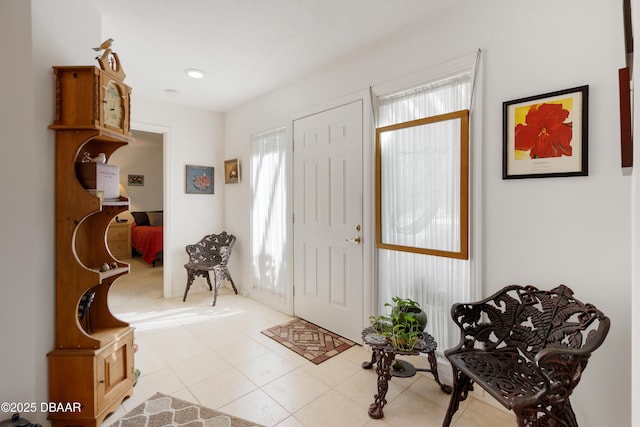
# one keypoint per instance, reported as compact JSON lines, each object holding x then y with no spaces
{"x":554,"y":127}
{"x":135,"y":180}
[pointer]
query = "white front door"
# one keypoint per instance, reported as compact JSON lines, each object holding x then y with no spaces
{"x":327,"y":194}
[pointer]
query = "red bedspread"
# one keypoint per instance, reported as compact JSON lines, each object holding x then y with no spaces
{"x":147,"y":240}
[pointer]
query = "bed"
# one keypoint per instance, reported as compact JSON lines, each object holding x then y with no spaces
{"x":147,"y":233}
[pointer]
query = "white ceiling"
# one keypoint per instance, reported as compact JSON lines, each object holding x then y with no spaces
{"x":246,"y":47}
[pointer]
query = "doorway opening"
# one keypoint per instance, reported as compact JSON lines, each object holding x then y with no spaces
{"x":143,"y":177}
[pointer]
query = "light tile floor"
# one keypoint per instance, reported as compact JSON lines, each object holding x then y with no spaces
{"x":217,"y":357}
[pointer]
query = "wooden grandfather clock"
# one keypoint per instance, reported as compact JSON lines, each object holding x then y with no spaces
{"x":92,"y":362}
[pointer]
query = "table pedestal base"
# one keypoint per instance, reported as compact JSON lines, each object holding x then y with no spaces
{"x":387,"y":366}
{"x":402,"y":369}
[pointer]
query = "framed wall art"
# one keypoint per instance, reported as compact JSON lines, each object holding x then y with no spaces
{"x":546,"y":135}
{"x":626,"y":118}
{"x":231,"y":171}
{"x":135,"y":180}
{"x":199,"y":179}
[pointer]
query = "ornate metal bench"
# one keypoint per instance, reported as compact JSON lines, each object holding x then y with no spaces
{"x":527,"y":348}
{"x":210,"y":254}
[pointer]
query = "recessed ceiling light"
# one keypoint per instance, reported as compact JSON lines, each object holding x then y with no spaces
{"x":194,"y":74}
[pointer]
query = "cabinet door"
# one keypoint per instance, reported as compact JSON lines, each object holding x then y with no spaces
{"x":114,"y":371}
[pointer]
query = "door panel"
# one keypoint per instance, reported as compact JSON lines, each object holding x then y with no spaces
{"x":328,"y":210}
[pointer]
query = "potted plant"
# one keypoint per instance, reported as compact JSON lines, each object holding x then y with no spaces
{"x":403,"y":327}
{"x":407,"y":305}
{"x":406,"y":331}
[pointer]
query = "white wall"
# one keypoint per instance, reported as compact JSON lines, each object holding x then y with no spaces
{"x":27,"y":151}
{"x":18,"y":142}
{"x":142,"y":157}
{"x":536,"y":231}
{"x":192,"y":137}
{"x":36,"y":35}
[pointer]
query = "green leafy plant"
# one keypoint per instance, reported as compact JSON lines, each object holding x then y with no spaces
{"x":401,"y":326}
{"x":406,"y":331}
{"x":403,"y":303}
{"x":382,"y":325}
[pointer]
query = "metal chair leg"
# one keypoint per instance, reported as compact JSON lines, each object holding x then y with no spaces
{"x":190,"y":278}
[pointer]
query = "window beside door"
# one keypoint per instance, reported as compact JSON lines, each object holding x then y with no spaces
{"x":268,"y":212}
{"x":434,"y":281}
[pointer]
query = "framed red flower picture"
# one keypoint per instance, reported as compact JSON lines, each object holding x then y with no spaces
{"x":546,"y":135}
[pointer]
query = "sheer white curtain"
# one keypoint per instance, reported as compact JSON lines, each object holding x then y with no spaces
{"x":435,"y":282}
{"x":268,"y":212}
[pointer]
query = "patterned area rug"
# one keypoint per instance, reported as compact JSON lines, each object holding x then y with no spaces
{"x":309,"y":340}
{"x":162,"y":410}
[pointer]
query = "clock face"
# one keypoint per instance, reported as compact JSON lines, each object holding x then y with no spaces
{"x":112,"y":105}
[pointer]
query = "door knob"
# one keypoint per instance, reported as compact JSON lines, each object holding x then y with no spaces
{"x":356,"y":240}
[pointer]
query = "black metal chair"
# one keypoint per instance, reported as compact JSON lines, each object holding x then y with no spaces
{"x":211,"y":253}
{"x":527,"y":348}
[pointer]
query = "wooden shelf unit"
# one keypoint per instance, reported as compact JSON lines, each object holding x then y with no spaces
{"x":97,"y":355}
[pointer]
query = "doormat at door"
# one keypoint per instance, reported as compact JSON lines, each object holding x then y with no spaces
{"x":309,"y":340}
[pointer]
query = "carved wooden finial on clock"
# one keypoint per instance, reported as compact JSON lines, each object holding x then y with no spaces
{"x":109,"y":61}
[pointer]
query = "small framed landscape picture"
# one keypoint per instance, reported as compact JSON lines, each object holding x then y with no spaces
{"x":546,"y":135}
{"x":231,"y":171}
{"x":199,"y":179}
